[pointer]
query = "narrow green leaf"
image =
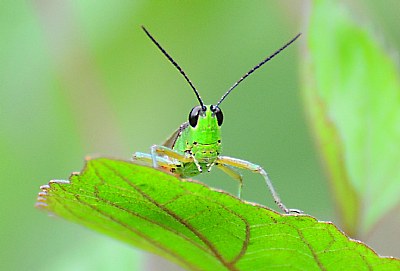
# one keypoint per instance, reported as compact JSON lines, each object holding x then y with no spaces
{"x":352,"y":92}
{"x":197,"y":227}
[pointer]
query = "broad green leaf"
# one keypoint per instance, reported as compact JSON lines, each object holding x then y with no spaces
{"x":197,"y":227}
{"x":352,"y":93}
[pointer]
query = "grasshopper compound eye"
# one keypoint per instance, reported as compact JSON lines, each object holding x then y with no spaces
{"x":194,"y":115}
{"x":218,"y":113}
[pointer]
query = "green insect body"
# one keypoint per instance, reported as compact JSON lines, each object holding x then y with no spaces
{"x":203,"y":141}
{"x":195,"y":147}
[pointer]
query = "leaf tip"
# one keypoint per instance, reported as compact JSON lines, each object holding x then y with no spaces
{"x":41,"y":197}
{"x":44,"y":187}
{"x":41,"y":200}
{"x":59,"y":182}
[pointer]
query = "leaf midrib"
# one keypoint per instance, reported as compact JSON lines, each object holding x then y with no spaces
{"x":177,"y":218}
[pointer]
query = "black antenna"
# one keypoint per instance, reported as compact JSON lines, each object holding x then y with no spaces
{"x":176,"y":66}
{"x":255,"y":68}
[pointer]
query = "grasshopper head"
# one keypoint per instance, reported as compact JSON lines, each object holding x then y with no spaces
{"x":205,"y":122}
{"x":210,"y":115}
{"x":205,"y":134}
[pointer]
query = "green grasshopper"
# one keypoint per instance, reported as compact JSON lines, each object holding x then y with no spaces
{"x":195,"y":146}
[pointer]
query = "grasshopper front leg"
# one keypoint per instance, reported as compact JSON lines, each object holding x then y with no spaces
{"x":147,"y":159}
{"x":159,"y":150}
{"x":242,"y":164}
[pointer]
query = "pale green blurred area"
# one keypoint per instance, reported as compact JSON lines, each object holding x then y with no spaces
{"x":80,"y":78}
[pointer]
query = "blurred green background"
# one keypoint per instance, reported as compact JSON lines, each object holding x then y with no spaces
{"x":80,"y":78}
